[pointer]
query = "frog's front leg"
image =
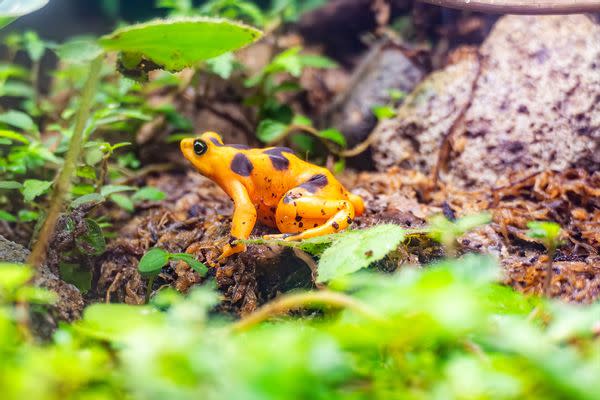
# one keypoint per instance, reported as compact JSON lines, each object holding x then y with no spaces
{"x":244,"y":218}
{"x":302,"y":215}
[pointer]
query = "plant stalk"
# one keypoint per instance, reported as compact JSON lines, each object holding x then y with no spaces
{"x":293,"y":301}
{"x":63,"y":182}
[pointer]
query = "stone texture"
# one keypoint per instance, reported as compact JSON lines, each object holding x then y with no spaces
{"x":535,"y":105}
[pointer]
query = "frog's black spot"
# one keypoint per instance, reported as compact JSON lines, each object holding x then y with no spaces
{"x":279,"y":161}
{"x":216,"y":142}
{"x":315,"y":183}
{"x":239,"y":146}
{"x":241,"y":165}
{"x":298,"y":218}
{"x":231,"y":240}
{"x":300,"y":224}
{"x":335,"y":225}
{"x":349,"y":220}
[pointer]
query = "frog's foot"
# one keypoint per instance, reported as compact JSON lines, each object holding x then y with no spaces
{"x":310,"y":216}
{"x":230,"y":249}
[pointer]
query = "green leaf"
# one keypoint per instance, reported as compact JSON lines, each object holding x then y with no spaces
{"x":12,"y":9}
{"x":396,"y":95}
{"x":12,"y":276}
{"x":93,"y":156}
{"x":10,"y":185}
{"x":33,"y":188}
{"x":196,"y":265}
{"x":153,"y":261}
{"x":87,"y":198}
{"x":315,"y":61}
{"x":472,"y":221}
{"x":383,"y":112}
{"x":35,"y":295}
{"x":16,"y":89}
{"x":19,"y":120}
{"x":28,"y":215}
{"x":76,"y":275}
{"x":286,"y":61}
{"x":34,"y":45}
{"x":87,"y":172}
{"x":114,"y":322}
{"x":301,"y":120}
{"x":123,"y":201}
{"x":110,"y":189}
{"x":80,"y":50}
{"x":6,"y":216}
{"x":178,"y":43}
{"x":222,"y":65}
{"x":334,"y":135}
{"x":92,"y":242}
{"x":148,"y":193}
{"x":358,"y":249}
{"x":270,"y":130}
{"x":543,"y":230}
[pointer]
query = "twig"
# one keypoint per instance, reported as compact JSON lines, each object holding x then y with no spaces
{"x":63,"y":182}
{"x":522,"y":6}
{"x":294,"y":301}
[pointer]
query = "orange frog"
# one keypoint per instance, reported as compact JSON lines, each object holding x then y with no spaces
{"x":300,"y":199}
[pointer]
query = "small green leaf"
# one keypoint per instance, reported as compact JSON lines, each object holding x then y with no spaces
{"x":196,"y":265}
{"x":19,"y":120}
{"x":301,"y":120}
{"x":16,"y":89}
{"x":543,"y":230}
{"x":222,"y":65}
{"x":87,"y":172}
{"x":80,"y":50}
{"x":286,"y":61}
{"x":34,"y":45}
{"x":334,"y":135}
{"x":92,"y":242}
{"x":12,"y":276}
{"x":28,"y":215}
{"x":10,"y":185}
{"x":178,"y":43}
{"x":148,"y":193}
{"x":6,"y":216}
{"x":87,"y":198}
{"x":93,"y":156}
{"x":357,"y":249}
{"x":472,"y":221}
{"x":110,"y":189}
{"x":35,"y":295}
{"x":76,"y":275}
{"x":33,"y":188}
{"x":396,"y":95}
{"x":315,"y":61}
{"x":270,"y":130}
{"x":153,"y":261}
{"x":123,"y":201}
{"x":383,"y":112}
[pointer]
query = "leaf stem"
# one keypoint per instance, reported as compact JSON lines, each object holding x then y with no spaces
{"x":63,"y":182}
{"x":293,"y":301}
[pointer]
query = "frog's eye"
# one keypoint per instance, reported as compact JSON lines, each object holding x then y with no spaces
{"x":200,"y":147}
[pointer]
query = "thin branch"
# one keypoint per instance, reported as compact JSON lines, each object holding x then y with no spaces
{"x":293,"y":301}
{"x":522,"y":6}
{"x":63,"y":182}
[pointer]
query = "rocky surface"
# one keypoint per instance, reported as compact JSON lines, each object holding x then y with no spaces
{"x":530,"y":101}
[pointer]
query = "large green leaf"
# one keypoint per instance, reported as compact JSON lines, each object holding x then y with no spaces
{"x":12,"y":9}
{"x":358,"y":249}
{"x":177,"y":43}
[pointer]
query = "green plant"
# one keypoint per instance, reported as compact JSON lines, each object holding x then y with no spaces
{"x":153,"y":261}
{"x":388,"y":110}
{"x":13,"y":9}
{"x":549,"y":234}
{"x":446,"y":232}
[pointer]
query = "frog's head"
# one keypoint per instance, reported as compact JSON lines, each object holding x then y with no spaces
{"x":203,"y":152}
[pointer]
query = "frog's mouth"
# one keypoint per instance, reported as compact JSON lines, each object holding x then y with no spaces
{"x":187,"y":148}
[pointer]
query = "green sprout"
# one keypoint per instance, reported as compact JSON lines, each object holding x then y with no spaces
{"x":548,"y":233}
{"x":152,"y":262}
{"x":446,"y":232}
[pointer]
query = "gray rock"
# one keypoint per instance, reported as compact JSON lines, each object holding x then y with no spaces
{"x":535,"y":106}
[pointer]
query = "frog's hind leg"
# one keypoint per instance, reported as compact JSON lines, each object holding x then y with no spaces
{"x":302,"y":216}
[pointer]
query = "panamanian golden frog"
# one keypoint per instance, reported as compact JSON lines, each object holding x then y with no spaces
{"x":300,"y":199}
